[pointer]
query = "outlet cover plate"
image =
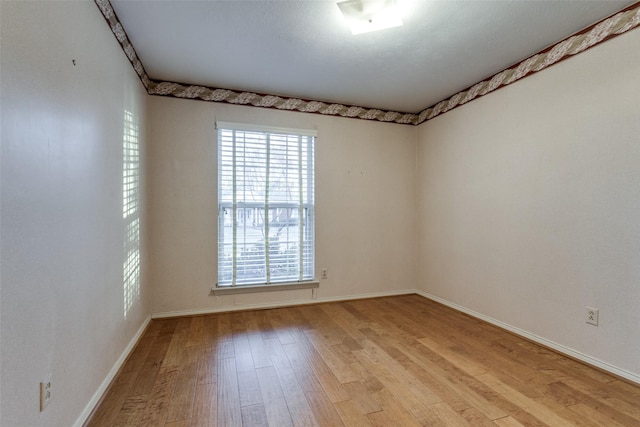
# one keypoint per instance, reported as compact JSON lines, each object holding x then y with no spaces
{"x":45,"y":392}
{"x":592,"y":316}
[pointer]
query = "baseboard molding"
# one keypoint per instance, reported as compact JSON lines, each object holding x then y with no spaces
{"x":622,"y":373}
{"x":95,"y":399}
{"x":224,"y":309}
{"x":592,"y":361}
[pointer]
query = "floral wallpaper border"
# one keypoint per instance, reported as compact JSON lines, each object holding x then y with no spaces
{"x":613,"y":26}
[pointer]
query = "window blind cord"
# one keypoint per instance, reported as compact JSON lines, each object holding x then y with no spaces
{"x":266,"y":210}
{"x":234,"y":209}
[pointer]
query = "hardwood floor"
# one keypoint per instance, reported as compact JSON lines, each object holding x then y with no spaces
{"x":397,"y":361}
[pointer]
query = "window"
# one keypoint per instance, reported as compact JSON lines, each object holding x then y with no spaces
{"x":265,"y":205}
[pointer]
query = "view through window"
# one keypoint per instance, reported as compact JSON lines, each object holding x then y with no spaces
{"x":265,"y":205}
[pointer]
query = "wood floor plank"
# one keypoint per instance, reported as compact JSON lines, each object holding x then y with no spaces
{"x":593,"y":416}
{"x":360,"y":396}
{"x":224,"y":332}
{"x":343,"y":317}
{"x":157,"y":353}
{"x":196,"y":332}
{"x":466,"y":364}
{"x":179,"y":423}
{"x":617,"y":394}
{"x":131,"y":411}
{"x":209,"y":330}
{"x":336,"y":364}
{"x":453,"y":388}
{"x":144,"y":381}
{"x":476,"y":393}
{"x":242,"y":352}
{"x":540,"y":411}
{"x":158,"y":401}
{"x":410,"y":395}
{"x":323,"y":409}
{"x":274,"y":402}
{"x":281,"y":327}
{"x":345,"y":352}
{"x":394,"y":375}
{"x":311,"y":372}
{"x":266,"y":328}
{"x":474,"y":417}
{"x":181,"y":404}
{"x":205,"y":406}
{"x":299,"y":409}
{"x":603,"y":408}
{"x":249,"y":388}
{"x":457,"y":395}
{"x":351,"y":414}
{"x":393,"y":413}
{"x":447,"y":415}
{"x":228,"y":407}
{"x":322,"y":323}
{"x":402,"y":360}
{"x":254,"y":416}
{"x":111,"y":404}
{"x":207,"y":365}
{"x":507,"y":422}
{"x":140,"y":353}
{"x":259,"y":352}
{"x":623,"y":388}
{"x":370,"y":381}
{"x":178,"y":341}
{"x":225,"y":350}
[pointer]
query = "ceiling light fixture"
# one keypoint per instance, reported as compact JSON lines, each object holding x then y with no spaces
{"x":365,"y":16}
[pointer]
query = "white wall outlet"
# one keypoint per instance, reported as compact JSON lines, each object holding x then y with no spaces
{"x":323,"y":273}
{"x":45,"y":392}
{"x":592,"y":316}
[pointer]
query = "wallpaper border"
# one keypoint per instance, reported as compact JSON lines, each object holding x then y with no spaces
{"x":615,"y":25}
{"x":610,"y":27}
{"x":121,"y":36}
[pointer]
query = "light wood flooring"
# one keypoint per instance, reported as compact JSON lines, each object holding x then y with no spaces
{"x":397,"y":361}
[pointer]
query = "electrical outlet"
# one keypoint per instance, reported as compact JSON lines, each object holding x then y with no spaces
{"x":323,"y":273}
{"x":592,"y":316}
{"x":45,"y":392}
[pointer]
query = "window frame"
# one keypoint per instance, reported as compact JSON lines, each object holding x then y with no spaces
{"x":305,"y":211}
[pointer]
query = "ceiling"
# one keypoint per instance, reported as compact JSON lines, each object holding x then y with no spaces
{"x":303,"y":48}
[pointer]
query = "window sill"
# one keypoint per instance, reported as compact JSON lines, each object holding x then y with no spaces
{"x":245,"y":289}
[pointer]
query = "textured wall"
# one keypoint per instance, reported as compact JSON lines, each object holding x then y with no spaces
{"x":529,"y":203}
{"x":71,"y":300}
{"x":365,"y":210}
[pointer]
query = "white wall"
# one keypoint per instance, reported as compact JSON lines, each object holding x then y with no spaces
{"x":529,"y":204}
{"x":63,"y":233}
{"x":365,"y":209}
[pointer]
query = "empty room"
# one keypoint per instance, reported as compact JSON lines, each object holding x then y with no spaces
{"x":319,"y":213}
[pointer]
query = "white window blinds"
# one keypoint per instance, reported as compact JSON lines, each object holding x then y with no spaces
{"x":265,"y":205}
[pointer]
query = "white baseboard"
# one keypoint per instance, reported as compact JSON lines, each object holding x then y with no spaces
{"x":540,"y":340}
{"x":558,"y":347}
{"x":223,"y":309}
{"x":111,"y":375}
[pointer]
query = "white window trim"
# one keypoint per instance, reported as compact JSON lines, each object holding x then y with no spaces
{"x":260,"y":128}
{"x":276,"y":286}
{"x":245,"y":289}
